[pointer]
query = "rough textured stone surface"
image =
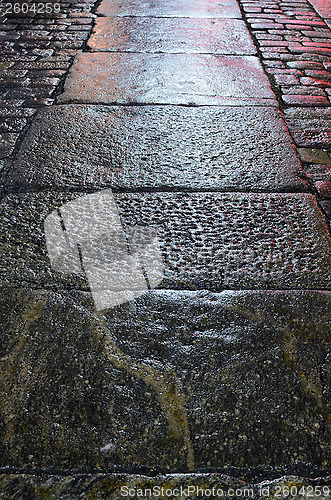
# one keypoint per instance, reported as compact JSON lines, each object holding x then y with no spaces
{"x":166,"y":79}
{"x":174,"y":486}
{"x":324,"y":188}
{"x":80,"y":146}
{"x":322,"y":7}
{"x":310,"y":127}
{"x":172,"y":8}
{"x":173,"y":380}
{"x":186,"y":35}
{"x":208,"y":240}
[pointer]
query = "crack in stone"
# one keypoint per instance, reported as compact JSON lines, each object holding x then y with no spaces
{"x":164,"y":384}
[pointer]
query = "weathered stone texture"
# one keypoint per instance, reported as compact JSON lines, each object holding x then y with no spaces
{"x":190,"y":79}
{"x":208,"y":240}
{"x":172,"y":380}
{"x":174,"y":486}
{"x":165,"y":147}
{"x":171,"y":36}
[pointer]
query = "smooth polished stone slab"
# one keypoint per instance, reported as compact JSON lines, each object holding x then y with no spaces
{"x":188,"y":79}
{"x":168,"y":35}
{"x":170,"y":381}
{"x":208,"y":240}
{"x":162,"y":147}
{"x":171,"y":8}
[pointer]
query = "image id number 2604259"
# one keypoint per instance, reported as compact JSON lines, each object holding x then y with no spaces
{"x":305,"y":491}
{"x":34,"y":8}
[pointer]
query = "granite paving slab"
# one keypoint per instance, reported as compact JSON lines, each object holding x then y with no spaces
{"x":169,"y":35}
{"x":173,"y":381}
{"x":171,"y":8}
{"x":323,"y":8}
{"x":189,"y":79}
{"x":209,"y":240}
{"x":161,"y":147}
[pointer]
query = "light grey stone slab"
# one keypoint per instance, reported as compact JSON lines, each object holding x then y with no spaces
{"x":175,"y":381}
{"x":189,"y":79}
{"x":169,"y":35}
{"x":323,"y":7}
{"x":208,"y":240}
{"x":165,"y":147}
{"x":171,"y":8}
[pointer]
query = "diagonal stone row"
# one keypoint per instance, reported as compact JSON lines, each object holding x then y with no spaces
{"x":227,"y":363}
{"x":37,"y":45}
{"x":294,"y":42}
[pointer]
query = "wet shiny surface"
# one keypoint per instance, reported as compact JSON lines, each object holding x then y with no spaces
{"x":209,"y":241}
{"x":167,"y":79}
{"x":170,"y":8}
{"x":160,"y":147}
{"x":173,"y":378}
{"x":184,"y":378}
{"x":201,"y":36}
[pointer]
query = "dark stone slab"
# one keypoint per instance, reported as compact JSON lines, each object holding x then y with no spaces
{"x":173,"y":381}
{"x":208,"y":240}
{"x":165,"y":147}
{"x":189,"y":79}
{"x":119,"y":486}
{"x":172,"y":36}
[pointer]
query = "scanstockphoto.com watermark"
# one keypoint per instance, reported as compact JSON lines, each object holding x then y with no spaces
{"x":260,"y":491}
{"x":190,"y":491}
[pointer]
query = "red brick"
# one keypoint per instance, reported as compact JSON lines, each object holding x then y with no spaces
{"x":286,"y":79}
{"x":325,"y":75}
{"x":317,"y":44}
{"x":304,"y":90}
{"x":276,"y":43}
{"x":305,"y":100}
{"x":252,"y":9}
{"x":266,"y":26}
{"x":305,"y":80}
{"x":306,"y":23}
{"x":274,"y":50}
{"x":326,"y":206}
{"x":266,"y":36}
{"x":305,"y":65}
{"x":313,"y":50}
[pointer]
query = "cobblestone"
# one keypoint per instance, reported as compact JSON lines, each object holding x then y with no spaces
{"x":324,"y":189}
{"x":326,"y":207}
{"x":292,"y":36}
{"x":304,"y":100}
{"x":33,"y":63}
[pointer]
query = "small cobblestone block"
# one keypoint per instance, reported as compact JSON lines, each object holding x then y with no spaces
{"x":305,"y":100}
{"x":326,"y":207}
{"x":314,"y":156}
{"x":324,"y":188}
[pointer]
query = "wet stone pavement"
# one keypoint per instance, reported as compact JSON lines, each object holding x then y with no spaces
{"x":211,"y":123}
